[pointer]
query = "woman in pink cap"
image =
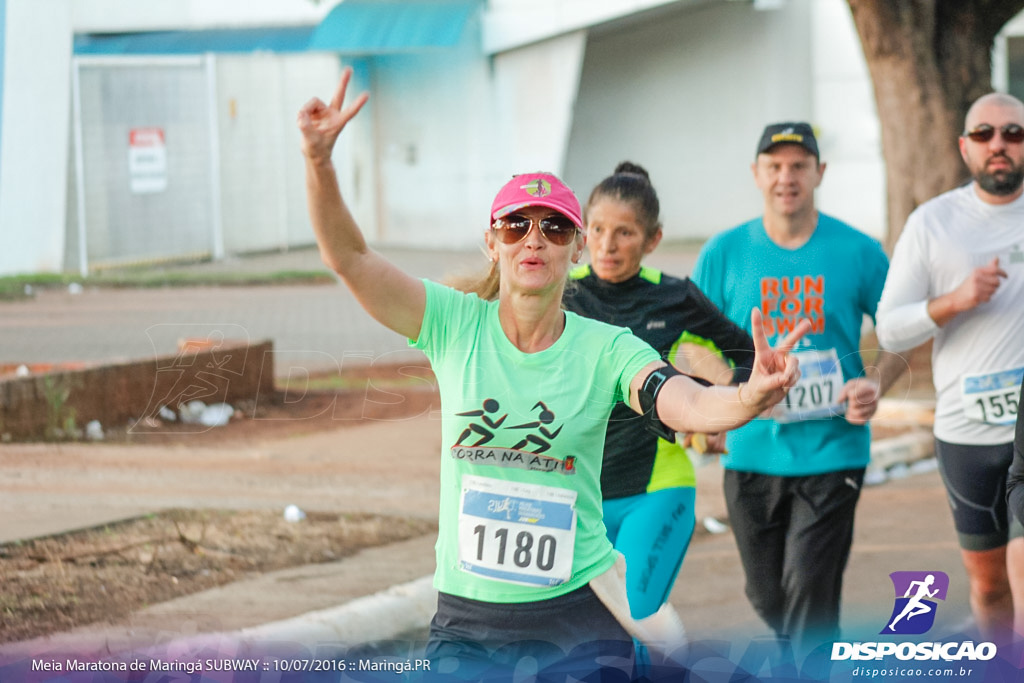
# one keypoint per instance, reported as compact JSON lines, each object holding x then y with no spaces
{"x":524,"y":567}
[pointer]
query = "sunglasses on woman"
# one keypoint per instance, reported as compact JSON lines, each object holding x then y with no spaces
{"x":556,"y":228}
{"x":1011,"y":132}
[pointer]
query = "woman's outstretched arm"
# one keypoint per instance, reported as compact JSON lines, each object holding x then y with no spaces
{"x":684,"y":405}
{"x":394,"y":298}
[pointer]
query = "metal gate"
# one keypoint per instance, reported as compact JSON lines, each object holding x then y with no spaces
{"x":144,"y":161}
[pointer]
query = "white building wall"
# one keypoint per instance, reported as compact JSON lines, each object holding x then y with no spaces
{"x":844,"y":112}
{"x":510,"y":24}
{"x":249,"y":114}
{"x":112,"y":16}
{"x":262,"y":198}
{"x":535,"y":91}
{"x":451,"y":128}
{"x":34,"y":144}
{"x":355,"y":157}
{"x":686,"y":96}
{"x":431,"y":132}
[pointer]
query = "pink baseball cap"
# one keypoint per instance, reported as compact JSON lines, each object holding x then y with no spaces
{"x":537,"y":189}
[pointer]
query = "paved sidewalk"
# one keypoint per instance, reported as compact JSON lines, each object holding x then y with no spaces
{"x":316,"y":327}
{"x":313,"y":327}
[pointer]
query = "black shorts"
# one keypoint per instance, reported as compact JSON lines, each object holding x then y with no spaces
{"x":975,"y":478}
{"x":572,"y":633}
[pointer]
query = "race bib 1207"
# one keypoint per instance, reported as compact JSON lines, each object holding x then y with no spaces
{"x":816,"y":394}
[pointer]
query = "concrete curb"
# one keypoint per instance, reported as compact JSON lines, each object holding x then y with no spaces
{"x":898,"y":456}
{"x":903,"y":449}
{"x":389,"y":613}
{"x":909,"y":452}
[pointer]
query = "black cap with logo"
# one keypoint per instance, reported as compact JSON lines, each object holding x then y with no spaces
{"x":792,"y":132}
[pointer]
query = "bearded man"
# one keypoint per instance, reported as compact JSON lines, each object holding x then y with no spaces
{"x":957,"y":274}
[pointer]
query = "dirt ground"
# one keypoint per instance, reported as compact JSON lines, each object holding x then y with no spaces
{"x":104,"y":573}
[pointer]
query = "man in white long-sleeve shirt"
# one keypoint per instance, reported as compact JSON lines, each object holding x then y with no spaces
{"x":957,"y":273}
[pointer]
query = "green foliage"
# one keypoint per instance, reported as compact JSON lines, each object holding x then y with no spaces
{"x":60,"y":417}
{"x":22,"y":286}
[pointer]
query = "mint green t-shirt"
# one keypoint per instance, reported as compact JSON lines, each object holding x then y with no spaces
{"x":522,"y":441}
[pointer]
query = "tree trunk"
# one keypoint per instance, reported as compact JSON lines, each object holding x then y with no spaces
{"x":928,"y":60}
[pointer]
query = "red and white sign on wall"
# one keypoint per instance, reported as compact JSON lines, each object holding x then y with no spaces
{"x":147,"y":160}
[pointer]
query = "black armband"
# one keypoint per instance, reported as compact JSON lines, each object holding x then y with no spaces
{"x":648,"y":397}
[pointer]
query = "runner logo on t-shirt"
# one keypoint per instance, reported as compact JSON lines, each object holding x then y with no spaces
{"x":526,"y":453}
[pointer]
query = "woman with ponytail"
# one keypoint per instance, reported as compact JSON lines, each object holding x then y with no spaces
{"x":648,"y":482}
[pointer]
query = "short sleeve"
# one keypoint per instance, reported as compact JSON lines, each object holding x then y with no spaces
{"x":632,"y":355}
{"x":447,"y":312}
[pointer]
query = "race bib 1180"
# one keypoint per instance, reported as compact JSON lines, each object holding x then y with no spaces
{"x":516,"y":532}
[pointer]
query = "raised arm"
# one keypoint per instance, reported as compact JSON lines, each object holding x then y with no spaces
{"x":392,"y":297}
{"x":686,"y":406}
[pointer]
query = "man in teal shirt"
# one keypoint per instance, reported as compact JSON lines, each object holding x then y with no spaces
{"x":792,"y":479}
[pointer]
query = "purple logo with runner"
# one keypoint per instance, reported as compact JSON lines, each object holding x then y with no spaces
{"x":916,"y":592}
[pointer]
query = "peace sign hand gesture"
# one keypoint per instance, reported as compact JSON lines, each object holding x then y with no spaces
{"x":320,"y":124}
{"x":775,"y":371}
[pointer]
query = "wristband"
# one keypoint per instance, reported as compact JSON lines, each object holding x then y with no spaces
{"x":648,"y":398}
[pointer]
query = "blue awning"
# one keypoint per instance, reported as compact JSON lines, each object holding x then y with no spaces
{"x":282,"y":39}
{"x":363,"y":27}
{"x":386,"y":26}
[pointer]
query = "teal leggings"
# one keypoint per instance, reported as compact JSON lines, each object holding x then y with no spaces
{"x":652,"y":531}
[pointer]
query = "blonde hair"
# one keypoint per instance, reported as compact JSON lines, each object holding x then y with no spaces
{"x":484,"y":285}
{"x":487,"y":285}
